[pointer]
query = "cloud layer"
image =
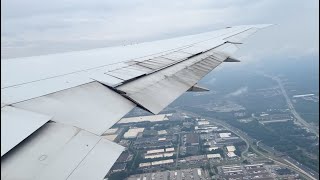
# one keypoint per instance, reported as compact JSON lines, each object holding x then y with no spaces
{"x":36,"y":27}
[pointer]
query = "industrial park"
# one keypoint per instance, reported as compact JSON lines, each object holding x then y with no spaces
{"x":180,"y":146}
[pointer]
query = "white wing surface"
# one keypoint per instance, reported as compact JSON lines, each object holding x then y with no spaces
{"x":54,"y":108}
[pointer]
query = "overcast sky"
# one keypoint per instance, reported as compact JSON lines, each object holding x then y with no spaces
{"x":37,"y":27}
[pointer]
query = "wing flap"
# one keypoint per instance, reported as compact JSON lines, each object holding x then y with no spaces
{"x":92,"y":107}
{"x":155,"y":91}
{"x":17,"y":125}
{"x":98,"y":162}
{"x":61,"y":165}
{"x":60,"y":152}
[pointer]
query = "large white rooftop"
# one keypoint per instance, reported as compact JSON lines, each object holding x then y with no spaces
{"x":153,"y":118}
{"x":153,"y":156}
{"x":203,"y":122}
{"x":224,"y":135}
{"x":145,"y":164}
{"x":155,"y":151}
{"x":167,"y":154}
{"x":132,"y":133}
{"x":212,"y":148}
{"x":231,"y":148}
{"x":162,"y":132}
{"x":209,"y":156}
{"x":169,"y":149}
{"x":162,"y":162}
{"x":231,"y":154}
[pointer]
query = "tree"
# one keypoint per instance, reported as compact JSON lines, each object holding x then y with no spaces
{"x":245,"y":162}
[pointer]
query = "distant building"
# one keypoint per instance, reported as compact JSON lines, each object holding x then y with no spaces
{"x":207,"y":127}
{"x":158,"y":155}
{"x":213,"y":148}
{"x":203,"y":123}
{"x":145,"y":164}
{"x":231,"y":148}
{"x":153,"y":156}
{"x":169,"y":149}
{"x":133,"y":133}
{"x":162,"y":132}
{"x":185,"y":174}
{"x":252,"y":171}
{"x":224,"y":135}
{"x":153,"y":118}
{"x":264,"y":114}
{"x":168,"y":161}
{"x":213,"y":156}
{"x":168,"y":154}
{"x":231,"y":154}
{"x":155,"y":151}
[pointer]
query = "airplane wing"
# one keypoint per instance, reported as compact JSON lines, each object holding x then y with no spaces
{"x":54,"y":108}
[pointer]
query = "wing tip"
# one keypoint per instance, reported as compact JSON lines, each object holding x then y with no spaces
{"x":264,"y":25}
{"x":259,"y":26}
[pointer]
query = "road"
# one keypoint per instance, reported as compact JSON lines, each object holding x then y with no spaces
{"x":283,"y":160}
{"x":292,"y":109}
{"x":178,"y":149}
{"x":288,"y":159}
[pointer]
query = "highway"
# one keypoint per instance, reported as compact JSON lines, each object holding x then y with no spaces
{"x":304,"y":123}
{"x":272,"y":153}
{"x":283,"y":160}
{"x":289,"y":160}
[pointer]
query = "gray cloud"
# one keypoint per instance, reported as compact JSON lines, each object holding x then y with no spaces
{"x":38,"y":27}
{"x":238,"y":92}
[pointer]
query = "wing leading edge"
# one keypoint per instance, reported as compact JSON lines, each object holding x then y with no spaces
{"x":66,"y":105}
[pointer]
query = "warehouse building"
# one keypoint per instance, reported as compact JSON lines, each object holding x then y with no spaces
{"x":133,"y":133}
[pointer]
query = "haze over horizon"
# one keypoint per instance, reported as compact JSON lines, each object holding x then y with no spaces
{"x":36,"y":27}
